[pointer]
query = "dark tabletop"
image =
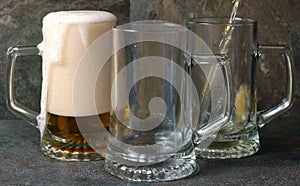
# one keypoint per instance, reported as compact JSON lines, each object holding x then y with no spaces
{"x":277,"y":163}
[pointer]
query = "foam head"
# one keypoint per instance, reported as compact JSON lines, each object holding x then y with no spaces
{"x":79,"y":17}
{"x":66,"y":37}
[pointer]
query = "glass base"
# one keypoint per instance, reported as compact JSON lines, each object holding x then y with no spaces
{"x":230,"y":148}
{"x":171,"y":169}
{"x":61,"y":149}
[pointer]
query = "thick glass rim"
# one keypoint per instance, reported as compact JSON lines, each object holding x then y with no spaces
{"x":221,"y":21}
{"x":151,"y":26}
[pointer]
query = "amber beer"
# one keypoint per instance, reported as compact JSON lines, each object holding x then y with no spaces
{"x":69,"y":138}
{"x":66,"y":38}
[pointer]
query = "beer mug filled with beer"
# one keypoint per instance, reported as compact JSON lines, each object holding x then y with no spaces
{"x":66,"y":37}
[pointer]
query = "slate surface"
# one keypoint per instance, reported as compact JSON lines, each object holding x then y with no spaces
{"x":277,"y":163}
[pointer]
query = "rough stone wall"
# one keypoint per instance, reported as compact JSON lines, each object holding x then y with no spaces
{"x":278,"y":23}
{"x":20,"y":24}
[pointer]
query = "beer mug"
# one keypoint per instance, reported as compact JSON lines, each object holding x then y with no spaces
{"x":66,"y":37}
{"x":154,"y":102}
{"x":239,"y":137}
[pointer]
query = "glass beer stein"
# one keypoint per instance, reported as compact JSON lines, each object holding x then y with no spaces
{"x":239,"y":137}
{"x":152,"y":104}
{"x":66,"y":37}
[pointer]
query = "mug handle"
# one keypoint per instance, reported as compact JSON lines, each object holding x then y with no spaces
{"x":267,"y":115}
{"x":212,"y":127}
{"x":12,"y":104}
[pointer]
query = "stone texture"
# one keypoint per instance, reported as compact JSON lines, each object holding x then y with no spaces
{"x":20,"y":24}
{"x":278,"y":23}
{"x":277,"y":163}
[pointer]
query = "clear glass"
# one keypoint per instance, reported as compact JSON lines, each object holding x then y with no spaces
{"x":239,"y":137}
{"x":152,"y":99}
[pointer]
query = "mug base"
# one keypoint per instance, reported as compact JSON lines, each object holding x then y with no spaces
{"x":171,"y":169}
{"x":68,"y":151}
{"x":230,"y":148}
{"x":81,"y":152}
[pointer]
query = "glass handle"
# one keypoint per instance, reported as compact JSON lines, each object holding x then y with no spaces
{"x":269,"y":114}
{"x":12,"y":104}
{"x":221,"y":117}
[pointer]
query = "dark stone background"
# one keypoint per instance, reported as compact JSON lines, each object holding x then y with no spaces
{"x":278,"y":23}
{"x":20,"y":24}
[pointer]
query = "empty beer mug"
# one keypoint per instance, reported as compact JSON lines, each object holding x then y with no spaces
{"x":239,"y":137}
{"x":66,"y":37}
{"x":154,"y":102}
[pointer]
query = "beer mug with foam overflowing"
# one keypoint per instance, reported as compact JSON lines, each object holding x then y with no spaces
{"x":66,"y":37}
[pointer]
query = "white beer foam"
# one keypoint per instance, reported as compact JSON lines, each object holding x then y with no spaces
{"x":79,"y":17}
{"x":55,"y":26}
{"x":66,"y":36}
